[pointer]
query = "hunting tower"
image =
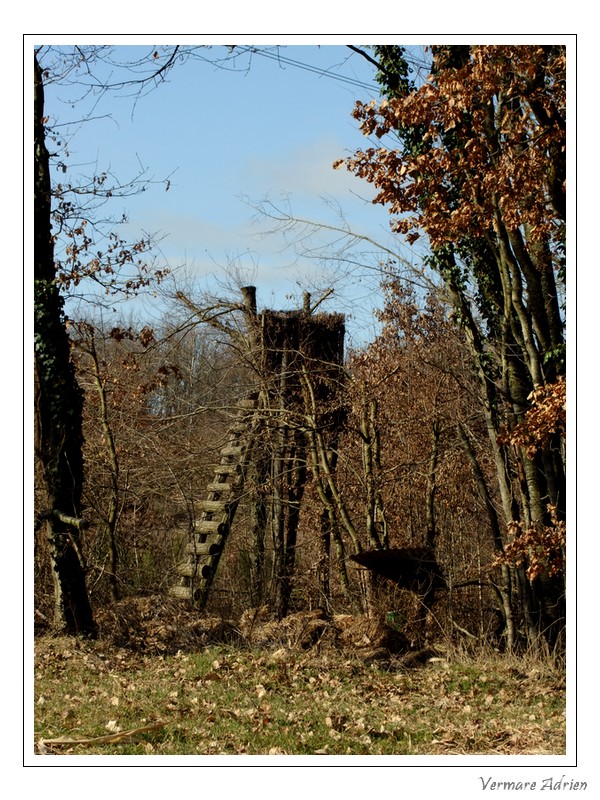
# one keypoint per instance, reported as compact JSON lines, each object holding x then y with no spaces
{"x":285,"y":425}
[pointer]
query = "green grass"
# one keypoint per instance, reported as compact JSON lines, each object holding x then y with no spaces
{"x":223,"y":700}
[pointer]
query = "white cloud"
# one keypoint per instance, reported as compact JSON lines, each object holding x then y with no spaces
{"x":305,"y":170}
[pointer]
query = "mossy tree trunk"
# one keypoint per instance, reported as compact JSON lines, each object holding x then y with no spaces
{"x":59,"y":402}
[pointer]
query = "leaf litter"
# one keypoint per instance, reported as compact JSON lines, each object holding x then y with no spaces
{"x":224,"y":699}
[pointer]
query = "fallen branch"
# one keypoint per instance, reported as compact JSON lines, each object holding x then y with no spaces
{"x":108,"y":739}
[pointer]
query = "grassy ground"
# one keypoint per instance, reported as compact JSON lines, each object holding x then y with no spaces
{"x":226,"y":700}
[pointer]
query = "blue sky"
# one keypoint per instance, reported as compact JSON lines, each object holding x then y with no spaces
{"x":229,"y":140}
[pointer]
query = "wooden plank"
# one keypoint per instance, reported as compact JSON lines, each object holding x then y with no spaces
{"x":214,"y":506}
{"x":232,"y":450}
{"x":219,"y":487}
{"x":187,"y":569}
{"x":205,"y":571}
{"x":228,"y":469}
{"x":204,"y":549}
{"x":181,"y":592}
{"x":211,"y":526}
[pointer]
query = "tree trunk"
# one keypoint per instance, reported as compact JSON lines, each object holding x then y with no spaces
{"x":111,"y":519}
{"x":59,"y":402}
{"x":432,"y":531}
{"x":279,"y":481}
{"x":259,"y":521}
{"x":369,"y":433}
{"x":324,"y":564}
{"x":296,"y":482}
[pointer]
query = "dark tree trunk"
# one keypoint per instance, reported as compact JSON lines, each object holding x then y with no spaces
{"x":259,"y":522}
{"x":432,"y":531}
{"x":324,"y":563}
{"x":297,"y":481}
{"x":59,"y":402}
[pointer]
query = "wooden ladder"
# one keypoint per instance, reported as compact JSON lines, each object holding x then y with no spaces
{"x":211,"y":530}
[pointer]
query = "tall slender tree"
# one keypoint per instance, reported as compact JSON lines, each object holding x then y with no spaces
{"x":58,"y":405}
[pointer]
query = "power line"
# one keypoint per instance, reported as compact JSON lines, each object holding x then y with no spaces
{"x":310,"y":68}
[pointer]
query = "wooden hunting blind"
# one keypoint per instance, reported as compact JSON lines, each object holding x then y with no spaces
{"x":298,"y":357}
{"x":413,"y":568}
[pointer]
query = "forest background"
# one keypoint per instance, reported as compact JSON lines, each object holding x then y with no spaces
{"x":460,"y":299}
{"x":258,"y":281}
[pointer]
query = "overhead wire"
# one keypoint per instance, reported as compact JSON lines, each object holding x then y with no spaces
{"x":371,"y":87}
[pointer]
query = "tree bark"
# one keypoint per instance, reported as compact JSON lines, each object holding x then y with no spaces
{"x":432,"y":531}
{"x":259,"y":521}
{"x":111,"y":519}
{"x":59,"y":403}
{"x":296,"y":482}
{"x":504,"y":590}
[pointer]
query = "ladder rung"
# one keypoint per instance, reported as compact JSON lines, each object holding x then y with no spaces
{"x":218,"y":486}
{"x":211,"y":526}
{"x":187,"y":569}
{"x":204,"y":549}
{"x":213,"y":506}
{"x":181,"y":592}
{"x":191,"y":569}
{"x":204,"y":571}
{"x":232,"y":450}
{"x":227,"y":469}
